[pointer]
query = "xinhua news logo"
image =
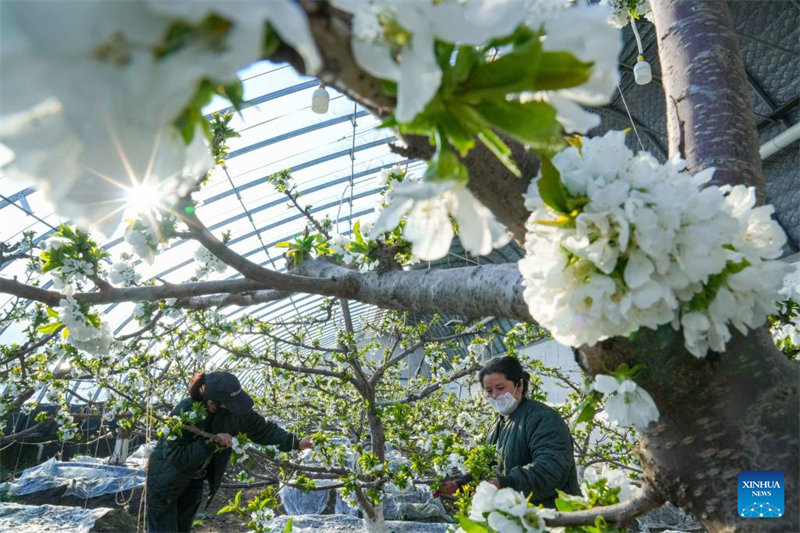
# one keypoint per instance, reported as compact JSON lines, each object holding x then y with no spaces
{"x":761,"y":494}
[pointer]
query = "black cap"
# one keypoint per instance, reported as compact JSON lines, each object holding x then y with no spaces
{"x":224,"y":388}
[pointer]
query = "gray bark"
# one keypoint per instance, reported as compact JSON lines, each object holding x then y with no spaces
{"x":709,"y":119}
{"x":737,"y":410}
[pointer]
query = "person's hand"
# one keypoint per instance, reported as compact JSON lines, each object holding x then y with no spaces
{"x":223,"y":439}
{"x":447,"y":487}
{"x":305,"y":443}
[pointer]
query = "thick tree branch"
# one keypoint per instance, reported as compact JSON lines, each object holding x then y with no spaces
{"x":644,"y":500}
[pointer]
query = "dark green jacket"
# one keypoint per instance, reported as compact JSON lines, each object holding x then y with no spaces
{"x":172,"y":464}
{"x":535,"y":454}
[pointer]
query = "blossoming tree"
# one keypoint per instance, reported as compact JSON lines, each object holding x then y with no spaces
{"x":660,"y":275}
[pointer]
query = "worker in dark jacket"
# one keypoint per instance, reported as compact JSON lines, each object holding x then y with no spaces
{"x":535,"y":453}
{"x":178,"y":468}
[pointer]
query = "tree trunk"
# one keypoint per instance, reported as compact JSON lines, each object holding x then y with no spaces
{"x":738,"y":410}
{"x":376,"y":524}
{"x":709,"y":119}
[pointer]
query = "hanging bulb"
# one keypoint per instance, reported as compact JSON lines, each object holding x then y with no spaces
{"x":642,"y":71}
{"x":320,"y":100}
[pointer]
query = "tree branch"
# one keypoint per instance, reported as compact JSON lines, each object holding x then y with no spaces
{"x":644,"y":500}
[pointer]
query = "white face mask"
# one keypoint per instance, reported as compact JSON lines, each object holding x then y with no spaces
{"x":505,"y":403}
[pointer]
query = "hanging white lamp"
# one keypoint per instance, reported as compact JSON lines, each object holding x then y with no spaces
{"x":642,"y":72}
{"x":320,"y":100}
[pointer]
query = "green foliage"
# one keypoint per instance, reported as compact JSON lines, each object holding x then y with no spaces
{"x":220,"y":133}
{"x":476,"y":97}
{"x":302,"y":247}
{"x":79,"y":245}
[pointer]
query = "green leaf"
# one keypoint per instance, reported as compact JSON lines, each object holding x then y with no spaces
{"x":51,"y":313}
{"x":288,"y":528}
{"x":235,"y":93}
{"x":559,"y":70}
{"x":271,"y":40}
{"x":513,"y":72}
{"x":459,"y":135}
{"x":469,"y":526}
{"x":564,"y":506}
{"x":357,"y":233}
{"x":445,"y":165}
{"x":532,"y":122}
{"x":500,"y":150}
{"x":47,"y":329}
{"x":284,"y":244}
{"x":551,"y":189}
{"x":466,"y":60}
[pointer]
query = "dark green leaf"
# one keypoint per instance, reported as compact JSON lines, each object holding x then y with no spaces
{"x":515,"y":71}
{"x":496,"y":145}
{"x":559,"y":70}
{"x":532,"y":122}
{"x":551,"y":189}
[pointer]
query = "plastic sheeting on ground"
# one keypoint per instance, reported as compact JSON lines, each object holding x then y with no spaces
{"x":83,"y":480}
{"x":47,"y":518}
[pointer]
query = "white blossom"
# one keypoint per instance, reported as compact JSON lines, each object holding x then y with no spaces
{"x":644,"y":245}
{"x":207,"y":263}
{"x":483,"y":501}
{"x":123,"y":273}
{"x":262,"y":517}
{"x":82,"y":333}
{"x":615,"y":479}
{"x":394,"y":39}
{"x":428,"y":228}
{"x":582,"y":30}
{"x":619,"y":14}
{"x":143,"y":239}
{"x":626,"y":403}
{"x":87,"y":127}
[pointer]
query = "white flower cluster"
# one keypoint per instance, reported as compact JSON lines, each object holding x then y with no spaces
{"x":82,"y":334}
{"x":123,"y":273}
{"x":788,"y":334}
{"x":627,"y":403}
{"x":615,"y":479}
{"x":650,"y":245}
{"x":78,"y":108}
{"x":621,"y":11}
{"x":240,"y":450}
{"x":339,"y":244}
{"x":262,"y":517}
{"x":143,"y":240}
{"x":74,"y":272}
{"x":506,"y":511}
{"x":66,"y":424}
{"x":111,"y":408}
{"x":207,"y":263}
{"x":428,"y":228}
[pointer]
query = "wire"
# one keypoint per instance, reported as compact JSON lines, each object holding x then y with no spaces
{"x":630,"y":117}
{"x":636,"y":34}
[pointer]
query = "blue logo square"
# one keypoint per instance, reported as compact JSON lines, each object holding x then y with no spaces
{"x":761,"y":494}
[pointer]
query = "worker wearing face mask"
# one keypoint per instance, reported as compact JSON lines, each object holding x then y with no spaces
{"x":177,"y":469}
{"x":535,"y":454}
